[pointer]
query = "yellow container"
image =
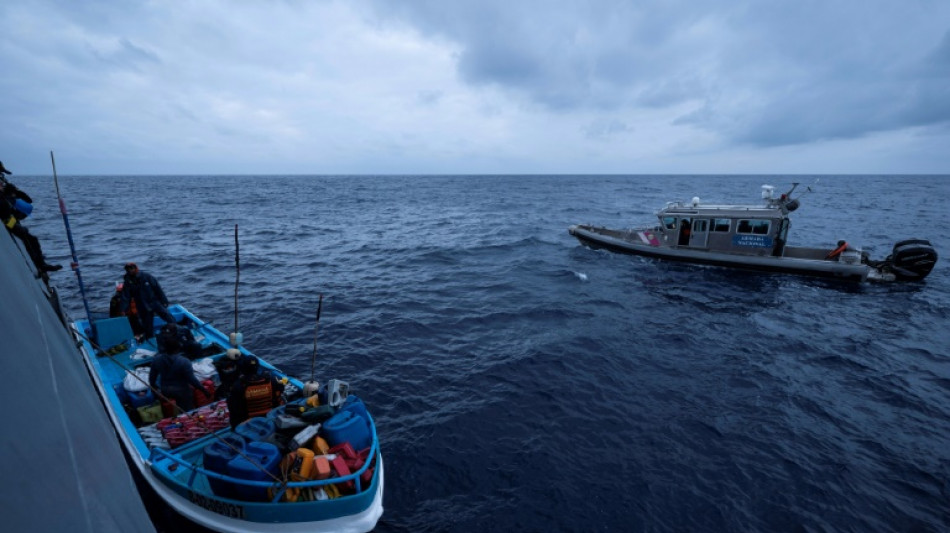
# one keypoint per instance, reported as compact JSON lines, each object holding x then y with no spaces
{"x":300,"y":470}
{"x":150,"y":413}
{"x":300,"y":465}
{"x":320,"y":446}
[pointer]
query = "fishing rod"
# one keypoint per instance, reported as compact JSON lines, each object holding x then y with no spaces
{"x":72,"y":249}
{"x":311,"y":386}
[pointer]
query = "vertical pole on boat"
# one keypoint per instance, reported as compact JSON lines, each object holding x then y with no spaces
{"x":72,"y":249}
{"x":310,"y":387}
{"x":237,"y":279}
{"x":235,"y":337}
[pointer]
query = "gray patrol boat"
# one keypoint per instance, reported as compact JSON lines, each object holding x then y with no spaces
{"x":753,"y":237}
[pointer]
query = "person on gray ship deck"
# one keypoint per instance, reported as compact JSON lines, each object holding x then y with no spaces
{"x":15,"y":205}
{"x":149,"y":298}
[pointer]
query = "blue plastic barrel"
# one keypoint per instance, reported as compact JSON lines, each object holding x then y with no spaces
{"x":121,"y":393}
{"x":355,"y":406}
{"x":256,"y":429}
{"x":217,"y":455}
{"x":140,"y":398}
{"x":348,"y":427}
{"x":266,"y":463}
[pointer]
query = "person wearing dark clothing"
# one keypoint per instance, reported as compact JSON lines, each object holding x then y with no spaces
{"x":115,"y":310}
{"x":685,"y":231}
{"x":173,"y":374}
{"x":144,"y":290}
{"x":179,"y":337}
{"x":15,"y":205}
{"x":229,"y":370}
{"x":255,"y":393}
{"x":189,"y":346}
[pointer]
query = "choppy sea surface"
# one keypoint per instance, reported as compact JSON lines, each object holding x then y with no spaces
{"x":522,"y":382}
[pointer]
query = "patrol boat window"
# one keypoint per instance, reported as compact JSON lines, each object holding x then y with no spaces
{"x":755,"y":227}
{"x":720,"y":225}
{"x":669,"y":222}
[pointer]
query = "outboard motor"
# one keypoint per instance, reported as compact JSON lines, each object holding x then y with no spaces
{"x":911,"y":260}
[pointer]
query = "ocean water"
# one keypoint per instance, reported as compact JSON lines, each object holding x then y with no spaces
{"x":522,"y":382}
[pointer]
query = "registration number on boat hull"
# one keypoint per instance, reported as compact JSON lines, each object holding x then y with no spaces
{"x":217,"y":506}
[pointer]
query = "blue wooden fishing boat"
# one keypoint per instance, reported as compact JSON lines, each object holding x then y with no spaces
{"x":269,"y":473}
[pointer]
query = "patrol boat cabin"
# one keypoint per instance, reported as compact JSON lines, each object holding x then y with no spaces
{"x":754,"y":237}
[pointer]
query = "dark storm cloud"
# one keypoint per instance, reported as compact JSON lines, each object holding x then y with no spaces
{"x":846,"y":96}
{"x":764,"y":74}
{"x":487,"y":86}
{"x":564,"y":55}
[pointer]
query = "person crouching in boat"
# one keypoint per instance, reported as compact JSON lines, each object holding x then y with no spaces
{"x":148,"y":295}
{"x":255,"y":393}
{"x":172,"y":372}
{"x":229,"y":370}
{"x":181,"y":337}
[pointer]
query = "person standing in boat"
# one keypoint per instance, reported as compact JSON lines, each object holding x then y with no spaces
{"x":685,"y":231}
{"x":115,"y":310}
{"x":15,"y":205}
{"x":149,"y":298}
{"x":255,"y":393}
{"x":172,"y":373}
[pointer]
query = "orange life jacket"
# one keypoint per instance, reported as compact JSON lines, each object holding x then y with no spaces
{"x":259,"y":398}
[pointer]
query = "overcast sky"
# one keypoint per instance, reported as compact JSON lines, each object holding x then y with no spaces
{"x":475,"y":86}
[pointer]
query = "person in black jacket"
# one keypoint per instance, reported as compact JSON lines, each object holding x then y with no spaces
{"x":229,"y":370}
{"x":181,"y":338}
{"x":256,"y":392}
{"x":14,"y":207}
{"x":173,"y":374}
{"x":115,"y":310}
{"x":149,"y":298}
